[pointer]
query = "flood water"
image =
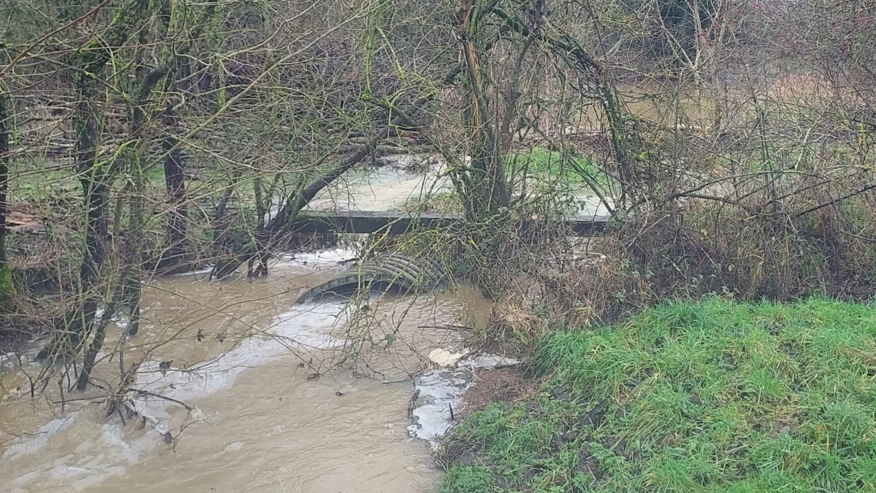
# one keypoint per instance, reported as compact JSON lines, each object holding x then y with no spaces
{"x":246,"y":360}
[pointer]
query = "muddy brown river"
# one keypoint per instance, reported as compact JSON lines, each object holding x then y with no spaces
{"x":284,"y":398}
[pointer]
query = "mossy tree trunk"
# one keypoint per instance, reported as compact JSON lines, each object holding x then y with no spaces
{"x":95,"y":177}
{"x":483,"y":183}
{"x":7,"y":287}
{"x":176,"y":63}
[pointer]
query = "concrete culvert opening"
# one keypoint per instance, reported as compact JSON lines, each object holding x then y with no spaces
{"x":388,"y":273}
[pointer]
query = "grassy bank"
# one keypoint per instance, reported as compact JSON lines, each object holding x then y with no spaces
{"x":711,"y":396}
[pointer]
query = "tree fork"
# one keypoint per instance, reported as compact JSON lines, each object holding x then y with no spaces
{"x":581,"y":61}
{"x":489,"y":192}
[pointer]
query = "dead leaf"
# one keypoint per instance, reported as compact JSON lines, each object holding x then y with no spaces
{"x":312,"y":376}
{"x":164,"y":366}
{"x":220,"y":337}
{"x":301,"y":365}
{"x":142,"y":423}
{"x":200,"y":335}
{"x":168,"y":438}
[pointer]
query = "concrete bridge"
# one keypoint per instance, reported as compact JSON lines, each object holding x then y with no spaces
{"x":402,"y":222}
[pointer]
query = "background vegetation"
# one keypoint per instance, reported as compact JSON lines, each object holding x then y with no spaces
{"x":728,"y":143}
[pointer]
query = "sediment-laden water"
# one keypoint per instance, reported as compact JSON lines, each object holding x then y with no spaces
{"x":284,"y":398}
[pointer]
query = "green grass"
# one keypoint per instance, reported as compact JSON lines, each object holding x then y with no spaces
{"x":701,"y":397}
{"x":543,"y":164}
{"x":38,"y":182}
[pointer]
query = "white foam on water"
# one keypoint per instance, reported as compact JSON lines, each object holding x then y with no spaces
{"x":93,"y":461}
{"x":121,"y":320}
{"x":109,"y":454}
{"x":322,"y":258}
{"x":29,"y":445}
{"x":306,"y":327}
{"x":439,"y":390}
{"x":197,"y":272}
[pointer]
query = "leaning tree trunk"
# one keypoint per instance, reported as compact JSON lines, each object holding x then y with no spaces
{"x":128,"y":289}
{"x":279,"y":226}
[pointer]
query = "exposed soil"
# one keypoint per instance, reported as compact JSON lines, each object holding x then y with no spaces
{"x":505,"y":384}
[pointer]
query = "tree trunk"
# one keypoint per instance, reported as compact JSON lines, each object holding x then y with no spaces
{"x":177,"y":66}
{"x":95,"y":180}
{"x":261,"y":211}
{"x":132,"y":286}
{"x":128,"y":289}
{"x":95,"y":346}
{"x":4,"y":174}
{"x":223,"y":229}
{"x":7,"y":288}
{"x":95,"y":193}
{"x":175,"y":181}
{"x":487,"y":190}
